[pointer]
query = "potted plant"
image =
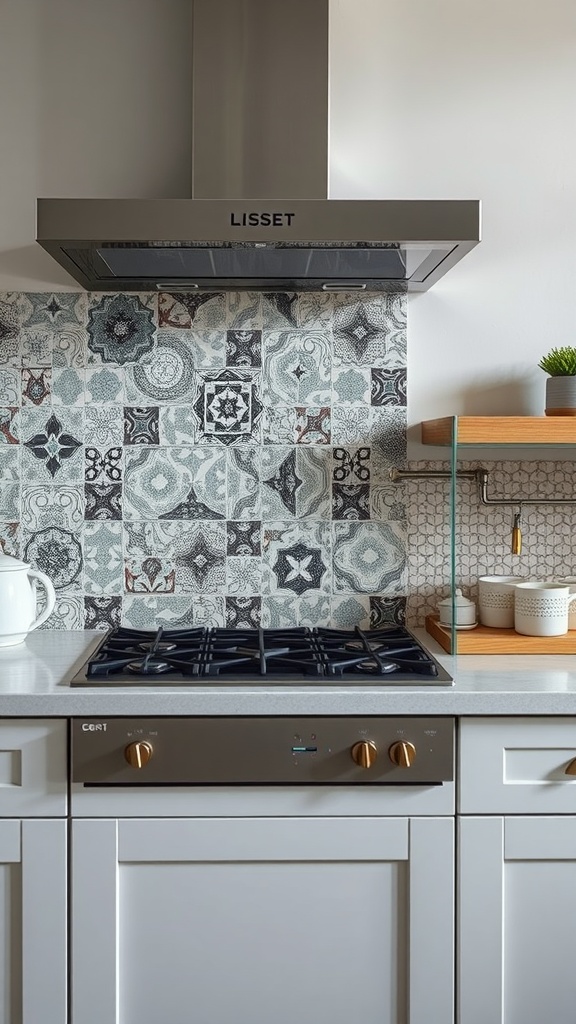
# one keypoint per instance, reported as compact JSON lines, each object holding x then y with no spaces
{"x":560,"y":364}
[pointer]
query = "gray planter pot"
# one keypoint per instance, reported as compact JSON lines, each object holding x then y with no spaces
{"x":561,"y":396}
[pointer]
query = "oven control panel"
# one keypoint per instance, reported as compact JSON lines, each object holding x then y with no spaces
{"x":204,"y":751}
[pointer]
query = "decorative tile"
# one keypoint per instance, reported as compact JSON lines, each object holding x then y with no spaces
{"x":388,"y":438}
{"x":243,"y":311}
{"x":9,"y":498}
{"x":10,"y":538}
{"x":103,"y":501}
{"x":103,"y":466}
{"x":351,"y":427}
{"x":243,"y":575}
{"x":165,"y":375}
{"x":314,"y":609}
{"x":52,"y":449}
{"x":279,"y":612}
{"x":386,"y":503}
{"x":371,"y":333}
{"x":296,"y":482}
{"x":141,"y":426}
{"x":36,"y":346}
{"x":67,"y":386}
{"x":121,"y":328}
{"x":313,"y":426}
{"x":104,"y":425}
{"x":348,"y":612}
{"x":352,"y":387}
{"x":296,"y":368}
{"x":105,"y":385}
{"x":103,"y":613}
{"x":45,"y":505}
{"x":388,"y":387}
{"x":103,"y":558}
{"x":351,"y":501}
{"x":243,"y":483}
{"x":174,"y":483}
{"x":9,"y":328}
{"x":243,"y":538}
{"x":9,"y":465}
{"x":178,"y":426}
{"x":70,"y":346}
{"x":36,"y":386}
{"x":227,"y":407}
{"x":199,"y":310}
{"x":151,"y":612}
{"x":279,"y":309}
{"x":56,"y":552}
{"x":243,"y":612}
{"x":244,"y":348}
{"x":387,"y":611}
{"x":315,"y":310}
{"x":351,"y":465}
{"x":296,"y":557}
{"x":9,"y":386}
{"x":68,"y":613}
{"x":56,"y":310}
{"x":279,"y":425}
{"x":9,"y":425}
{"x":368,"y":557}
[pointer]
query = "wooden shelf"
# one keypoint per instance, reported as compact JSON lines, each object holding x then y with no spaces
{"x":494,"y":430}
{"x":485,"y":640}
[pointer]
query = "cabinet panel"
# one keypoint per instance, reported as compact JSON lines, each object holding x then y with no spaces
{"x":517,"y":906}
{"x":517,"y":766}
{"x":33,"y":933}
{"x":33,"y":771}
{"x":261,"y":920}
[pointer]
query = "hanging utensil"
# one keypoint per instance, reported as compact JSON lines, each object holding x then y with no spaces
{"x":517,"y":533}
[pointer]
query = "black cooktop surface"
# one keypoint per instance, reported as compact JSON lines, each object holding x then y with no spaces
{"x":236,"y":657}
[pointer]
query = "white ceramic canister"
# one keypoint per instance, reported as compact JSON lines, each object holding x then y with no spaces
{"x":19,"y":600}
{"x":496,"y":600}
{"x":464,"y":610}
{"x":571,"y":581}
{"x":541,"y":608}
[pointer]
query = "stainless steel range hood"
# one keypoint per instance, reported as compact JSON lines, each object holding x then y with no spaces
{"x":259,"y":218}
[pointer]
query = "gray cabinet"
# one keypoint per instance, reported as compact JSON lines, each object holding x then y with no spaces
{"x":219,"y":920}
{"x":33,"y":874}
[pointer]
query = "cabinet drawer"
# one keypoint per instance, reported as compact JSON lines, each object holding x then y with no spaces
{"x":517,"y":766}
{"x":33,"y":755}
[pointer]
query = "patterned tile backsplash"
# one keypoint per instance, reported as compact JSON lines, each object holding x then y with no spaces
{"x":223,"y":458}
{"x":180,"y":459}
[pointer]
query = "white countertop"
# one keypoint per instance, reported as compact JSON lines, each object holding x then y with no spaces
{"x":35,"y":681}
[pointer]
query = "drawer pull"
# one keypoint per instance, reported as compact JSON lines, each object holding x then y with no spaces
{"x":571,"y":767}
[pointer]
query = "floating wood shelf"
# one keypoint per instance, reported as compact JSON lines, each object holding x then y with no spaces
{"x":485,"y":640}
{"x":494,"y":430}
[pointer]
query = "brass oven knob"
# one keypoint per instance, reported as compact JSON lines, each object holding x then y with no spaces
{"x":364,"y":753}
{"x":402,"y":753}
{"x":139,"y":753}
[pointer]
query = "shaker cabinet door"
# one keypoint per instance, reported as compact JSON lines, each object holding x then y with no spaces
{"x":517,"y":908}
{"x":226,"y":921}
{"x":33,"y":986}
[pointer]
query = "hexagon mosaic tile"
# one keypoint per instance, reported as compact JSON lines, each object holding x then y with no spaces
{"x":223,"y":459}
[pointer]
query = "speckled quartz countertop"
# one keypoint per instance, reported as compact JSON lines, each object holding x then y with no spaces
{"x":35,"y":681}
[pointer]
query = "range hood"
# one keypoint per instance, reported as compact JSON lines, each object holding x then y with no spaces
{"x":259,"y":218}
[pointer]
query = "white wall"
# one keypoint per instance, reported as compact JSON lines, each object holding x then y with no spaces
{"x":430,"y":99}
{"x":469,"y":99}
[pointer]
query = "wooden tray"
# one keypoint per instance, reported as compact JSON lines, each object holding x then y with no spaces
{"x":486,"y":640}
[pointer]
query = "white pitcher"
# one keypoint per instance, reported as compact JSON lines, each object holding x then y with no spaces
{"x":19,"y":601}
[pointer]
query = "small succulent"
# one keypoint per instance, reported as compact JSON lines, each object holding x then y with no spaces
{"x":560,"y":362}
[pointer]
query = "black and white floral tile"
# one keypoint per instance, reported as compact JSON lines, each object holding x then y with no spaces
{"x":219,"y":458}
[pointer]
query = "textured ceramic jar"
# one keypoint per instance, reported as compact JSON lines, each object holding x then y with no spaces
{"x":541,"y":608}
{"x":496,"y":600}
{"x":561,"y":396}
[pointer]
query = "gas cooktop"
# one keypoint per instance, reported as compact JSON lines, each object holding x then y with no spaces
{"x":236,"y":657}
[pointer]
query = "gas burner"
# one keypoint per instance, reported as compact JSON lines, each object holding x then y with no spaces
{"x":148,"y":667}
{"x":228,"y":657}
{"x":158,"y":646}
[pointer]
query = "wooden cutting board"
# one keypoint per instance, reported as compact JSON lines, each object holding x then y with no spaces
{"x":486,"y":640}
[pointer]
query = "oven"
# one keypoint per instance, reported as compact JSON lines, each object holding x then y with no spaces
{"x":261,"y":868}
